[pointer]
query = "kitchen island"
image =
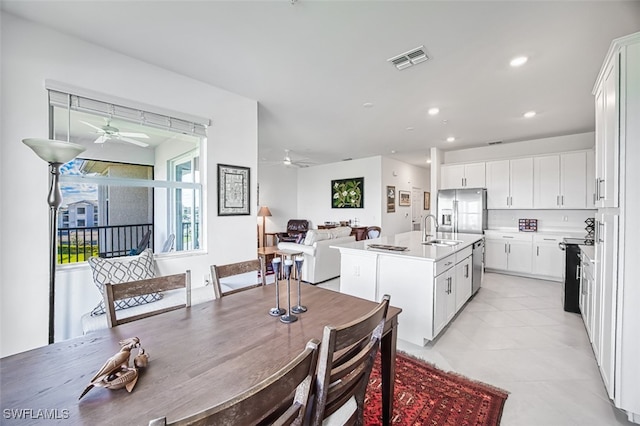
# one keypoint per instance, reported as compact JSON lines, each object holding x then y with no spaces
{"x":430,"y":282}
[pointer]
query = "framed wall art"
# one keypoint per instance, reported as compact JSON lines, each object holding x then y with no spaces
{"x":427,"y":201}
{"x":233,"y":190}
{"x":347,"y":193}
{"x":404,"y":198}
{"x":391,"y":199}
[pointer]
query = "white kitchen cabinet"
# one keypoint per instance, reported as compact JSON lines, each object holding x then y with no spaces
{"x":470,"y":175}
{"x":606,"y":249}
{"x":607,"y":134}
{"x":591,"y":176}
{"x":509,"y":251}
{"x":587,"y":283}
{"x":548,"y":259}
{"x":560,"y":181}
{"x":510,"y":184}
{"x":617,"y":252}
{"x":444,"y":300}
{"x":463,"y":282}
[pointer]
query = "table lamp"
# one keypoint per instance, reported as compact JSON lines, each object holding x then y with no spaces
{"x":263,"y":212}
{"x":56,"y":153}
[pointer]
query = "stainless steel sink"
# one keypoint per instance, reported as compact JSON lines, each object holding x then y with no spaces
{"x":442,"y":243}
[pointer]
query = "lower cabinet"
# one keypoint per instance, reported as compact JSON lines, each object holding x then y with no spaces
{"x":548,"y":259}
{"x":444,"y":300}
{"x":508,"y":252}
{"x":463,"y":282}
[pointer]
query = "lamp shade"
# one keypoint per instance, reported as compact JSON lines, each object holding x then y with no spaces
{"x":53,"y":151}
{"x":264,"y":211}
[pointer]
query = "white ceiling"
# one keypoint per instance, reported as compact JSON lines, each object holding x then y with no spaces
{"x":313,"y":64}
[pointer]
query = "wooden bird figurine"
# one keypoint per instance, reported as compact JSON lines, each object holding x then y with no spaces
{"x":116,"y":373}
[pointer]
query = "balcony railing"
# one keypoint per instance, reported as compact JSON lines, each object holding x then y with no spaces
{"x":78,"y":244}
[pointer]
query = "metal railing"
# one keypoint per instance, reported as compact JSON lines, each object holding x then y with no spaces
{"x":78,"y":244}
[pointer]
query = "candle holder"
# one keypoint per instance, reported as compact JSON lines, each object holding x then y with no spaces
{"x":288,"y":318}
{"x":277,"y":311}
{"x":299,"y":308}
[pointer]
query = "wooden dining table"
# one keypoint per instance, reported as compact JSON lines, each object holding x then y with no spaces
{"x":199,"y":357}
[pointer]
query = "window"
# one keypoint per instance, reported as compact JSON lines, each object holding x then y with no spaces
{"x":139,"y":174}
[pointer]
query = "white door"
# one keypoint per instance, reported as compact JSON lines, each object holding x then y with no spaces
{"x":519,"y":256}
{"x":452,"y":177}
{"x":463,"y":282}
{"x":609,"y":188}
{"x":521,"y":183}
{"x":440,"y":296}
{"x":417,"y":203}
{"x":497,"y":175}
{"x":495,"y":252}
{"x":546,"y":182}
{"x":474,"y":175}
{"x":548,"y":260}
{"x":573,"y":173}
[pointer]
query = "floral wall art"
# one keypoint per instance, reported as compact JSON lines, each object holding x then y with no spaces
{"x":347,"y":193}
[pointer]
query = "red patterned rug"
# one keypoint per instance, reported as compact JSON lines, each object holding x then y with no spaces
{"x":425,"y":395}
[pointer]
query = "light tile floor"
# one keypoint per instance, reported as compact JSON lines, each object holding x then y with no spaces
{"x":514,"y":334}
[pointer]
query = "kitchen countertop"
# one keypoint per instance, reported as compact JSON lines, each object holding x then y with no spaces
{"x":413,"y":241}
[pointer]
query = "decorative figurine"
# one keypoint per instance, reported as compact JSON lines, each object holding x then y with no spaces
{"x":116,"y":373}
{"x":288,"y":318}
{"x":299,"y":308}
{"x":277,"y":311}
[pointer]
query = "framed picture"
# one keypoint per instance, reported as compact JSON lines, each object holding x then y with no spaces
{"x":347,"y":193}
{"x":405,"y":198}
{"x":427,"y":201}
{"x":391,"y":199}
{"x":233,"y":190}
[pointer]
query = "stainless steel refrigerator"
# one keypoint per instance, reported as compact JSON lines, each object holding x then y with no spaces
{"x":462,"y":210}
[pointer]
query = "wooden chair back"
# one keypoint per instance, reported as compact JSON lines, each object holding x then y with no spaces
{"x":373,"y":232}
{"x":113,"y":292}
{"x":222,"y":271}
{"x":280,"y":399}
{"x":347,"y":354}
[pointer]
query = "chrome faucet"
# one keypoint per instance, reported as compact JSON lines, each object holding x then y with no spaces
{"x":426,"y":230}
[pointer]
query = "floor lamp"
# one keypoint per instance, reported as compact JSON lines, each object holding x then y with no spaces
{"x":56,"y":153}
{"x":264,"y":212}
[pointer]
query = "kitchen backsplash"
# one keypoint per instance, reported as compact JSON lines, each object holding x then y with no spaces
{"x":548,"y":220}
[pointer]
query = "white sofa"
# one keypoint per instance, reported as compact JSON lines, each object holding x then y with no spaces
{"x":321,"y":262}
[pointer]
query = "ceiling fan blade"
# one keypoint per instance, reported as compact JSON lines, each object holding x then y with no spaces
{"x":91,"y":125}
{"x":133,"y":141}
{"x":101,"y":139}
{"x":134,"y":135}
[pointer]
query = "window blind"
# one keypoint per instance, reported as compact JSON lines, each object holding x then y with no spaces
{"x":111,"y":110}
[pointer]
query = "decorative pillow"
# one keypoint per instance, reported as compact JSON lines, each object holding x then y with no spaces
{"x":340,"y":232}
{"x":300,"y":238}
{"x":117,"y":270}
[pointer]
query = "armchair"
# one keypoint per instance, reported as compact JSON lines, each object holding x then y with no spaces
{"x":296,"y":231}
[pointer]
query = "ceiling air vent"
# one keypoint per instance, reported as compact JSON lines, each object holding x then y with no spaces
{"x":495,"y":143}
{"x":407,"y":59}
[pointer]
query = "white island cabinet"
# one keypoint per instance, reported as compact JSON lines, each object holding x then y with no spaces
{"x":430,"y":283}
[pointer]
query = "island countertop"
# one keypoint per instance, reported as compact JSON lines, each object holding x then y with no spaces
{"x":413,"y":242}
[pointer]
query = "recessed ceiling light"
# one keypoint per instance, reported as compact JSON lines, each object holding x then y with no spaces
{"x":393,"y":151}
{"x":451,"y":139}
{"x":433,"y":111}
{"x":367,"y":105}
{"x":410,"y":128}
{"x":518,"y":61}
{"x":428,"y":160}
{"x":529,"y":114}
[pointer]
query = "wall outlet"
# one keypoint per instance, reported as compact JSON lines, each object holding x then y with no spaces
{"x":356,"y":271}
{"x":207,"y":279}
{"x":565,"y":218}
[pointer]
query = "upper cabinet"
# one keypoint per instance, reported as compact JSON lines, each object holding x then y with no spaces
{"x":470,"y":175}
{"x":607,"y":129}
{"x":560,"y":181}
{"x":510,"y":184}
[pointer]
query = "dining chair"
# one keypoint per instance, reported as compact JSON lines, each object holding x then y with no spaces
{"x":268,"y":402}
{"x":347,"y":353}
{"x":113,"y":292}
{"x":373,"y":232}
{"x":244,"y":282}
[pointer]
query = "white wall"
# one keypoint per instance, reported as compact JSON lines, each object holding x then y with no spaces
{"x":279,"y":192}
{"x":31,"y":54}
{"x":314,"y":192}
{"x":404,"y":177}
{"x":520,"y":149}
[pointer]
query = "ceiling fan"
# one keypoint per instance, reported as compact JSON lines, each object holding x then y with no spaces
{"x":108,"y":132}
{"x":297,"y":163}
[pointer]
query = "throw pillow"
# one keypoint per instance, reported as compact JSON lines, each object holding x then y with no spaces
{"x":300,"y":238}
{"x":117,"y":270}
